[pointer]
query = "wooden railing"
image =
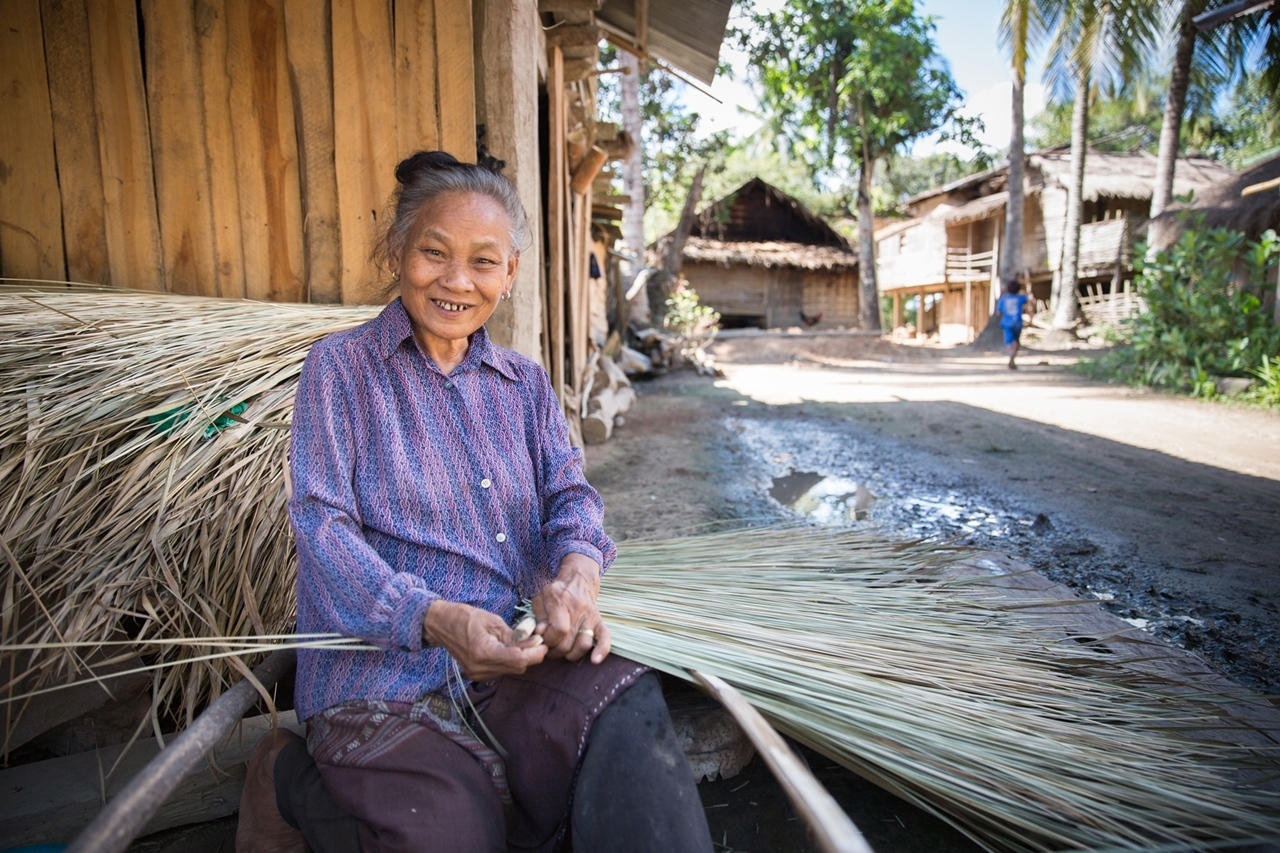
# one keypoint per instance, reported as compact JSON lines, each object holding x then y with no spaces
{"x":963,"y":265}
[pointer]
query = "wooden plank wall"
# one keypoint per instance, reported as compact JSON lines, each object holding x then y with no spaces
{"x":190,"y":147}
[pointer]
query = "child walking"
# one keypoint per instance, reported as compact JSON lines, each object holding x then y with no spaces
{"x":1010,"y":306}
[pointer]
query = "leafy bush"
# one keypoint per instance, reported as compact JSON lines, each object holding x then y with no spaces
{"x":693,"y":322}
{"x":1203,"y":316}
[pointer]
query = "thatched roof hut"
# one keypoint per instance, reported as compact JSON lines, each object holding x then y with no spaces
{"x":761,"y":258}
{"x":1223,"y":205}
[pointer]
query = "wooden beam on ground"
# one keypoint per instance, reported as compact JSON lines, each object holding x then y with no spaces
{"x":129,"y":192}
{"x":75,"y":138}
{"x":30,"y":205}
{"x":833,"y":831}
{"x":52,"y":801}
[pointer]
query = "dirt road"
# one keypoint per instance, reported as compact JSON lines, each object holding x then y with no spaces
{"x":1165,"y":510}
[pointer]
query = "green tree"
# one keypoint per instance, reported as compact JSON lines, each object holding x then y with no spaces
{"x":852,"y":81}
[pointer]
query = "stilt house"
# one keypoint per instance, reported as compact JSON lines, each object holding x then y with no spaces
{"x":946,"y":257}
{"x":761,"y":258}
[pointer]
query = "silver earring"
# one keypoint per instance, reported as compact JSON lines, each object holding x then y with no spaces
{"x":506,"y":296}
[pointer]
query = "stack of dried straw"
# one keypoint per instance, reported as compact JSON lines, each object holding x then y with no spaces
{"x":138,"y":506}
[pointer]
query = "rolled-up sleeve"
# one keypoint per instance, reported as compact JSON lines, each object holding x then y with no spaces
{"x":572,"y":511}
{"x":344,"y":585}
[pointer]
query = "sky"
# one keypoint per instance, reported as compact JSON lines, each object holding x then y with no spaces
{"x":965,"y":37}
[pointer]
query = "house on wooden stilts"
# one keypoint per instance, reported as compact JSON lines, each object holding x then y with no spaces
{"x":944,"y":261}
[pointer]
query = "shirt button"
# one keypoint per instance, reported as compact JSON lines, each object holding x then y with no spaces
{"x":448,"y":385}
{"x":501,"y":537}
{"x":486,"y":483}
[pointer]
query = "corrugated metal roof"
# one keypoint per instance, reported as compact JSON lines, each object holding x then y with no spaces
{"x":684,"y":33}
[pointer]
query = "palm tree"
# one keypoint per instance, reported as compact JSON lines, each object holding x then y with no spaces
{"x":1092,"y":38}
{"x":1219,"y":55}
{"x":1022,"y":26}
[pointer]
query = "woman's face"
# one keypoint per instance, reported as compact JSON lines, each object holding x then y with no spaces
{"x":456,"y":263}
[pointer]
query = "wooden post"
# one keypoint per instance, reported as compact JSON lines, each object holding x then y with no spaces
{"x":897,"y":309}
{"x":557,"y":215}
{"x":508,"y":108}
{"x":920,"y":335}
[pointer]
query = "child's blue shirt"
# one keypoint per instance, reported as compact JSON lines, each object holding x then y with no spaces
{"x":1010,"y":306}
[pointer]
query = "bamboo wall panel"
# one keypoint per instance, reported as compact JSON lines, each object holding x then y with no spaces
{"x":228,"y":274}
{"x":266,"y":150}
{"x":124,"y":141}
{"x":365,"y":134}
{"x":181,"y":160}
{"x":217,"y":170}
{"x":30,"y":205}
{"x":75,"y":134}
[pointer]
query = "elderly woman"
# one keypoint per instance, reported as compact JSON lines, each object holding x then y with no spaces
{"x":434,"y":491}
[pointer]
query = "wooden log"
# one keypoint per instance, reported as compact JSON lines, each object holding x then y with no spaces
{"x":180,"y":157}
{"x":75,"y":138}
{"x":266,"y":151}
{"x":568,"y":35}
{"x":224,"y":178}
{"x":51,"y":801}
{"x":310,"y":58}
{"x":508,"y":108}
{"x":417,"y":98}
{"x":120,"y":107}
{"x":364,"y":98}
{"x":456,"y":81}
{"x":569,"y":5}
{"x":586,"y":170}
{"x":30,"y":205}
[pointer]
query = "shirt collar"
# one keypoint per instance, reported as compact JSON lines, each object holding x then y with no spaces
{"x":393,"y":327}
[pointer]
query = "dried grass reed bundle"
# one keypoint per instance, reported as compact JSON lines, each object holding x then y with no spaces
{"x":868,"y":652}
{"x":143,"y":442}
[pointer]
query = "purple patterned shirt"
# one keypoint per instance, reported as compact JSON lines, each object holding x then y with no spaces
{"x":411,"y":485}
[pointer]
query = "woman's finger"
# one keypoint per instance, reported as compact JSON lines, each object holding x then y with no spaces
{"x":604,"y":643}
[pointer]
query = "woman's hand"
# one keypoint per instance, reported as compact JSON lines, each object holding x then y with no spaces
{"x":479,"y":641}
{"x":566,"y":611}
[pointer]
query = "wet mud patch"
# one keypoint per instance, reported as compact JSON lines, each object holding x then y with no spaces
{"x":826,"y":468}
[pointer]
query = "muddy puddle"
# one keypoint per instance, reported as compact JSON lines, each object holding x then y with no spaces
{"x":827,"y":471}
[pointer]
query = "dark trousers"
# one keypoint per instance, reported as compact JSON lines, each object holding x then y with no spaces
{"x":634,"y":792}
